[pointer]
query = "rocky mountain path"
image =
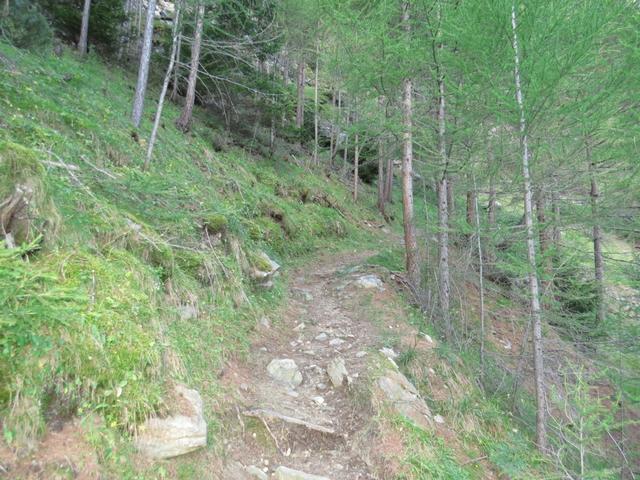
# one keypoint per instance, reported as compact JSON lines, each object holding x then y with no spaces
{"x":299,"y":415}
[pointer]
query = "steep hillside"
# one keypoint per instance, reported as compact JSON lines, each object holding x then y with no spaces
{"x":127,"y":281}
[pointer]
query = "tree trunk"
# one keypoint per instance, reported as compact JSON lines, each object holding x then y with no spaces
{"x":332,"y":140}
{"x":176,"y":70}
{"x":450,"y":196}
{"x":143,"y":70}
{"x":381,"y":177}
{"x":491,"y":208}
{"x":84,"y":30}
{"x":356,"y":166}
{"x":300,"y":105}
{"x":410,"y":242}
{"x":480,"y":278}
{"x":557,"y":234}
{"x":165,"y":85}
{"x":471,"y":207}
{"x":443,"y":216}
{"x":543,"y":236}
{"x":316,"y":111}
{"x":538,"y":362}
{"x":388,"y":186}
{"x":184,"y":121}
{"x":594,"y":194}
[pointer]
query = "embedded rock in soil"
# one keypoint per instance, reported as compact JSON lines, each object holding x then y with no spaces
{"x":337,"y":372}
{"x":264,"y":273}
{"x":370,"y":281}
{"x":182,"y":432}
{"x":285,"y":371}
{"x":404,"y":398}
{"x":284,"y":473}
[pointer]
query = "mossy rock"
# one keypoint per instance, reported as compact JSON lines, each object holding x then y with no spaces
{"x":215,"y":224}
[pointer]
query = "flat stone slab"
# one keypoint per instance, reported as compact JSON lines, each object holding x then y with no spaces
{"x":403,"y":397}
{"x":181,"y":433}
{"x":284,"y":473}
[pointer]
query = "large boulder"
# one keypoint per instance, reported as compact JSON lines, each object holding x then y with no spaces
{"x":285,"y":371}
{"x":182,"y":432}
{"x":284,"y":473}
{"x":403,"y":397}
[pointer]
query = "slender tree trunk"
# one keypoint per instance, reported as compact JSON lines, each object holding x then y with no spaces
{"x":332,"y":140}
{"x":143,"y":70}
{"x":316,"y":110}
{"x":337,"y":134}
{"x":491,"y":208}
{"x":471,"y":207}
{"x":557,"y":233}
{"x":480,"y":278}
{"x":356,"y":167}
{"x":410,"y":241}
{"x":176,"y":70}
{"x":388,"y":186}
{"x":165,"y":86}
{"x":184,"y":121}
{"x":381,"y":176}
{"x":125,"y":29}
{"x":300,"y":105}
{"x":598,"y":260}
{"x":544,"y":240}
{"x":450,"y":197}
{"x":84,"y":30}
{"x":443,"y":216}
{"x":536,"y":313}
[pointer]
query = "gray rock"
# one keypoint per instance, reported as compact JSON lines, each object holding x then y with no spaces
{"x":302,"y":294}
{"x":404,"y":398}
{"x":438,"y":419}
{"x":264,"y":323}
{"x":187,"y":312}
{"x":361,"y":354}
{"x":264,"y":278}
{"x":284,"y":473}
{"x":337,"y":372}
{"x":285,"y":371}
{"x":182,"y":432}
{"x":370,"y":281}
{"x":389,"y":353}
{"x":255,"y":472}
{"x":322,"y":337}
{"x":336,"y":342}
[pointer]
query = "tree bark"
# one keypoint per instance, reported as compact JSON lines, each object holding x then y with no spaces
{"x":471,"y":207}
{"x":332,"y":140}
{"x":165,"y":85}
{"x":450,"y":197}
{"x":356,"y":167}
{"x":316,"y":111}
{"x":443,"y":216}
{"x":184,"y":121}
{"x":176,"y":70}
{"x":388,"y":187}
{"x":557,"y":234}
{"x":381,"y":176}
{"x":410,"y":242}
{"x":536,"y":313}
{"x":300,"y":105}
{"x":143,"y":70}
{"x":84,"y":29}
{"x":598,"y":260}
{"x":544,"y":240}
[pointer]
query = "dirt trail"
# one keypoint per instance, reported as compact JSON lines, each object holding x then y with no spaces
{"x":319,"y":325}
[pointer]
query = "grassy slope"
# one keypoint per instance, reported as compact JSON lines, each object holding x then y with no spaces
{"x":92,"y":322}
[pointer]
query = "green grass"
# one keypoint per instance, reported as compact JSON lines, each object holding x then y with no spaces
{"x":92,"y":318}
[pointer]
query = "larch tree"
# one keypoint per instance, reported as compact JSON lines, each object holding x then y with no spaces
{"x":184,"y":120}
{"x":84,"y":29}
{"x":143,"y":69}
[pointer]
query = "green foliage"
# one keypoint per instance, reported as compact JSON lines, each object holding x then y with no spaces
{"x":105,"y":20}
{"x":24,"y":25}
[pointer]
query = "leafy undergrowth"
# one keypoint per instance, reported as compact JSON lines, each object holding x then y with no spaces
{"x":127,"y":281}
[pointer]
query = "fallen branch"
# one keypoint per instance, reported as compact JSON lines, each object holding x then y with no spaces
{"x":101,"y":170}
{"x":263,"y":413}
